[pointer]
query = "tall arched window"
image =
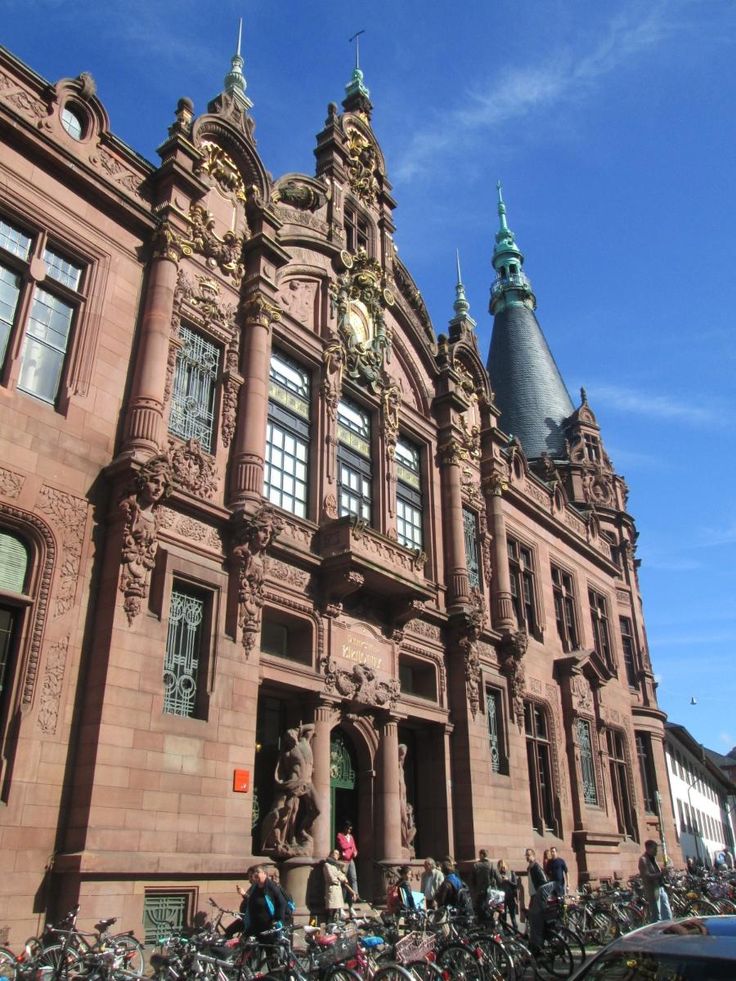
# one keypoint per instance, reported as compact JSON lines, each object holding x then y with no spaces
{"x":13,"y":575}
{"x":539,"y":759}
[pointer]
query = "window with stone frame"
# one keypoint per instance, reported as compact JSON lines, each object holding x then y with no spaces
{"x":592,"y":448}
{"x":42,"y":298}
{"x":563,"y":589}
{"x":357,"y":230}
{"x":629,"y":649}
{"x":523,"y":586}
{"x":409,"y":509}
{"x":194,"y":392}
{"x":472,"y":551}
{"x":497,"y":741}
{"x":14,"y":569}
{"x":187,"y":648}
{"x":646,"y":771}
{"x":587,"y":762}
{"x":286,"y":469}
{"x":600,"y":624}
{"x":539,"y":761}
{"x":620,"y":783}
{"x":354,"y":469}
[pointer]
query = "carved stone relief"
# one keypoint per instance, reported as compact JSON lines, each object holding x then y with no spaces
{"x":298,"y":297}
{"x":251,"y":537}
{"x":512,"y":650}
{"x":363,"y":167}
{"x":11,"y":483}
{"x":51,"y":686}
{"x":193,"y":470}
{"x":359,"y":684}
{"x":189,"y":528}
{"x":69,"y":515}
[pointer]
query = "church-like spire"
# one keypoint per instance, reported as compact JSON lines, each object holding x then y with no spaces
{"x":511,"y":285}
{"x":357,"y":96}
{"x":235,"y":83}
{"x":462,"y":322}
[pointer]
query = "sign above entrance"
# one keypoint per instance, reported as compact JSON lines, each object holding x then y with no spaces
{"x":358,"y":651}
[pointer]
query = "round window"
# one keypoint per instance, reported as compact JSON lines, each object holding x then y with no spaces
{"x":72,"y":123}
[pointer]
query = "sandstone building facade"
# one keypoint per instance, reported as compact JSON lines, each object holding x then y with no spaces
{"x":270,"y":556}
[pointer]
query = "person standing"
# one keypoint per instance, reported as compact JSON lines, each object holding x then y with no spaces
{"x":557,"y":872}
{"x":484,"y":876}
{"x":335,"y":882}
{"x":264,"y":905}
{"x":432,"y":879}
{"x":508,"y":882}
{"x":348,"y":853}
{"x":539,"y":889}
{"x":652,"y":882}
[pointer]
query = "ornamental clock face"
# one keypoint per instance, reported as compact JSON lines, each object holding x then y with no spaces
{"x":360,"y":323}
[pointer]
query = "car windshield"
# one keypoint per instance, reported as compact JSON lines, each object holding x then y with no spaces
{"x":634,"y":966}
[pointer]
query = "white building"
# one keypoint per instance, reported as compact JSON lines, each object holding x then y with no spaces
{"x":700,"y":794}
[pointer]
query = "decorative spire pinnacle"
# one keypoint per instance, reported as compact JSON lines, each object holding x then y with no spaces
{"x":583,"y":396}
{"x":357,"y":95}
{"x":511,"y":286}
{"x":461,"y":305}
{"x":235,"y":83}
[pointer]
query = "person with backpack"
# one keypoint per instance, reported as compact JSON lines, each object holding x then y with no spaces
{"x":453,"y":891}
{"x":540,"y":892}
{"x":263,"y":908}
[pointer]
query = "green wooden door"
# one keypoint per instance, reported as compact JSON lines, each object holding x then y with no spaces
{"x":343,"y":797}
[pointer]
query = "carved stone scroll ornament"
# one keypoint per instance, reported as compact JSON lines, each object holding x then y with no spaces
{"x":192,"y":469}
{"x":362,"y":165}
{"x":232,"y":382}
{"x":390,"y":404}
{"x":287,"y":827}
{"x":140,"y":509}
{"x":167,"y":242}
{"x":224,"y":253}
{"x":69,"y":515}
{"x":11,"y":483}
{"x":221,"y":169}
{"x":512,"y":650}
{"x":360,"y":685}
{"x":252,"y":536}
{"x":300,"y":195}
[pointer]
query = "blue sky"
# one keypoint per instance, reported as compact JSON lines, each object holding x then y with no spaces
{"x":612,"y":127}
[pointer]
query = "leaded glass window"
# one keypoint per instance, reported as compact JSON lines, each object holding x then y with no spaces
{"x":496,"y":731}
{"x":627,"y":642}
{"x":523,"y":589}
{"x":599,"y":620}
{"x":184,"y":644}
{"x":287,"y":436}
{"x":354,"y":471}
{"x":472,"y":558}
{"x":587,"y":763}
{"x":51,"y":309}
{"x":619,"y":769}
{"x":195,"y":382}
{"x":539,"y":761}
{"x":408,"y":495}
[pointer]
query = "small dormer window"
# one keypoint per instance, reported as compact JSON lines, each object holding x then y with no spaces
{"x":72,"y":123}
{"x":592,"y":448}
{"x":356,"y":230}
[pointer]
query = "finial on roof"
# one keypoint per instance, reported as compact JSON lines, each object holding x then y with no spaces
{"x":511,"y":285}
{"x":583,"y":396}
{"x":501,"y":209}
{"x":357,"y":95}
{"x":235,"y":83}
{"x":461,"y":305}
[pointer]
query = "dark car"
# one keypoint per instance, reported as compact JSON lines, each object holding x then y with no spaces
{"x":701,"y":948}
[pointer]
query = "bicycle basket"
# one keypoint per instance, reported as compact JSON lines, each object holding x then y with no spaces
{"x":414,"y":947}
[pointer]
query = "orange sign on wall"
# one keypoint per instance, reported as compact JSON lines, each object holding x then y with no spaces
{"x":241,"y":781}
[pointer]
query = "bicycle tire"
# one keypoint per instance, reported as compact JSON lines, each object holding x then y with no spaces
{"x":337,"y":972}
{"x":604,"y":927}
{"x":62,"y":962}
{"x":393,"y":972}
{"x":554,"y":962}
{"x":8,"y":964}
{"x":497,"y":959}
{"x":133,"y":953}
{"x":574,"y":941}
{"x":461,"y":962}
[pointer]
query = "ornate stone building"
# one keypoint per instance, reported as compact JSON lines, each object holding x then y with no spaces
{"x":269,"y":555}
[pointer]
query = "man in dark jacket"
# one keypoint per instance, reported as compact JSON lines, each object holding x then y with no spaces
{"x":484,"y":876}
{"x":558,"y":872}
{"x":263,"y":907}
{"x":539,"y":891}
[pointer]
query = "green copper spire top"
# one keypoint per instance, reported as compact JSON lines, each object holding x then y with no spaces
{"x":357,"y":96}
{"x":511,"y":286}
{"x":235,"y":83}
{"x":461,"y":305}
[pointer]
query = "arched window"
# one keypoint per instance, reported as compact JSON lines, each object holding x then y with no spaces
{"x":13,"y":574}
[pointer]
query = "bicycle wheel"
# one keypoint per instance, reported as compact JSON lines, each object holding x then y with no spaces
{"x":604,"y":927}
{"x":131,"y":949}
{"x":461,"y":962}
{"x":340,"y":973}
{"x":57,"y":963}
{"x":573,"y":941}
{"x":8,"y":964}
{"x":554,"y":961}
{"x":497,"y":960}
{"x":393,"y":972}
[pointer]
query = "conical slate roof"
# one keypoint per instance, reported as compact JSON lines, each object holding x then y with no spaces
{"x":527,"y":383}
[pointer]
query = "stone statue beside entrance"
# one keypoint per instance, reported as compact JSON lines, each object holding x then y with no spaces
{"x":288,"y":824}
{"x":406,"y":811}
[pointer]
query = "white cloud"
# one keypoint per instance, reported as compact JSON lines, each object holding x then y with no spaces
{"x":641,"y":402}
{"x":565,"y":77}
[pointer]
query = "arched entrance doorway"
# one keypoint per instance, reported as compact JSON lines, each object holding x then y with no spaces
{"x":343,"y":784}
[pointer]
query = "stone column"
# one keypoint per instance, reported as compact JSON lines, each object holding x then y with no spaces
{"x":146,"y":407}
{"x":324,"y":719}
{"x":504,"y":618}
{"x":458,"y":587}
{"x":388,"y":808}
{"x":247,"y":483}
